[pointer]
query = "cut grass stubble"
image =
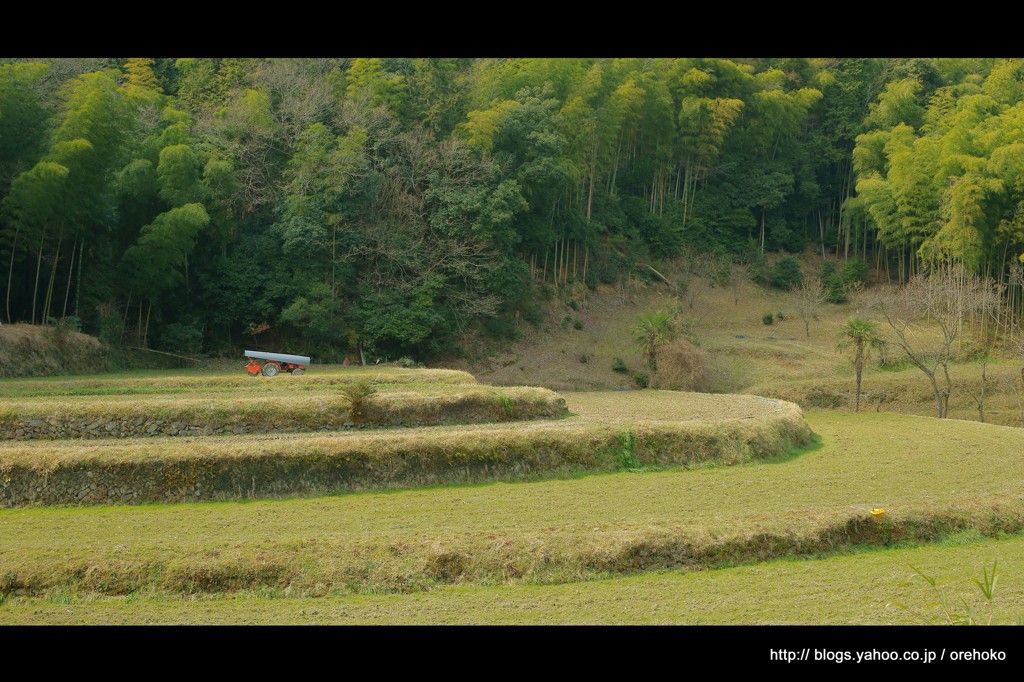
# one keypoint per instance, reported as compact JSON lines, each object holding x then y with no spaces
{"x":544,"y":532}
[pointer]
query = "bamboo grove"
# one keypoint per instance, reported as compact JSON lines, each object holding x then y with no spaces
{"x":401,"y":205}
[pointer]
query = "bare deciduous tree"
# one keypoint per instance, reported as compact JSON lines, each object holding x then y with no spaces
{"x":808,"y":297}
{"x":703,"y":270}
{"x":946,"y":297}
{"x":988,"y":304}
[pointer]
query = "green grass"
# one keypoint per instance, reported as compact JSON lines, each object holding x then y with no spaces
{"x":933,"y":478}
{"x":859,"y":587}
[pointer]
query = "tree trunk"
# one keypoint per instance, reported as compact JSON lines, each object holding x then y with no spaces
{"x":78,"y":281}
{"x":981,"y":397}
{"x":946,"y":391}
{"x":762,"y":230}
{"x":145,"y":332}
{"x":586,"y":256}
{"x":67,"y":290}
{"x":39,"y":265}
{"x":859,"y":366}
{"x":937,"y":392}
{"x":53,"y":279}
{"x":10,"y":271}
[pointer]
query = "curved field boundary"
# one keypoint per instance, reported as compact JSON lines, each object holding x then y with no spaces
{"x":142,"y":383}
{"x":169,"y":470}
{"x":127,"y":416}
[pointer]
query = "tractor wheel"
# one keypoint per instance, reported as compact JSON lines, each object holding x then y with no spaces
{"x":298,"y":371}
{"x":271,"y":369}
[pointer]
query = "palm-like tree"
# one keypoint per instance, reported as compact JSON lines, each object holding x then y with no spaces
{"x":650,"y":331}
{"x":860,"y":336}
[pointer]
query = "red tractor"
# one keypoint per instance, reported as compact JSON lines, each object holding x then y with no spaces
{"x":274,"y":363}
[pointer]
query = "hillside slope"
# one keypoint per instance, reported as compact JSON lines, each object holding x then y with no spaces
{"x":29,"y":350}
{"x":746,"y":356}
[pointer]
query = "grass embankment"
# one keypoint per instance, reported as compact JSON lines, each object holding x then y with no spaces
{"x":233,"y":380}
{"x":933,"y":478}
{"x":27,"y":350}
{"x":192,"y":405}
{"x":857,"y":588}
{"x":609,"y":431}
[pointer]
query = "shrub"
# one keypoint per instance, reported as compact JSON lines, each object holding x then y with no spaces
{"x":501,"y":329}
{"x":534,"y":315}
{"x":835,"y":288}
{"x":577,"y":324}
{"x":768,"y":319}
{"x":780,"y":317}
{"x":627,"y":453}
{"x":822,"y":397}
{"x":683,"y":367}
{"x":183,"y":339}
{"x":640,"y":379}
{"x":574,"y":305}
{"x":69,"y":322}
{"x":356,"y":395}
{"x":752,"y":256}
{"x":609,"y":272}
{"x":786,"y":273}
{"x":721,"y":272}
{"x":590,"y":280}
{"x":619,"y":366}
{"x":855,"y":270}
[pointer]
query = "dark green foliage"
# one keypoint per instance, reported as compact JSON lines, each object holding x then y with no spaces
{"x":534,"y":315}
{"x":640,"y":379}
{"x":838,"y":284}
{"x":501,"y":329}
{"x":832,"y":281}
{"x":619,"y":366}
{"x":577,"y":324}
{"x":786,"y":273}
{"x":399,"y":204}
{"x":856,"y":270}
{"x":780,"y":316}
{"x":182,"y":339}
{"x":768,"y":319}
{"x":749,"y":253}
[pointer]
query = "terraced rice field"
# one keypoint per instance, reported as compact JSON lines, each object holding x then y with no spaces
{"x":590,"y":512}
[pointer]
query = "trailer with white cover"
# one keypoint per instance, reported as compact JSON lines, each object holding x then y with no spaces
{"x":274,"y":363}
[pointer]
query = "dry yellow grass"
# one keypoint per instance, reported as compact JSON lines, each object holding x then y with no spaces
{"x":633,"y":406}
{"x":610,"y":431}
{"x":199,"y":412}
{"x":933,"y":478}
{"x":859,"y":588}
{"x":746,"y":356}
{"x":26,"y":350}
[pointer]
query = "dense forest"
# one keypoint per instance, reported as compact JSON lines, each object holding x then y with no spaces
{"x":396,"y":206}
